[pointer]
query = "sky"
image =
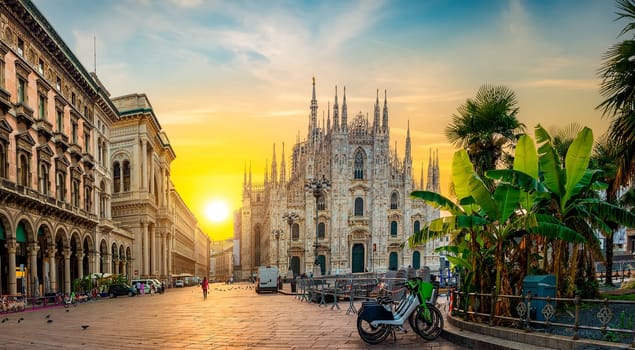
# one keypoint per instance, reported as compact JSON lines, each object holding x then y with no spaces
{"x":229,"y":79}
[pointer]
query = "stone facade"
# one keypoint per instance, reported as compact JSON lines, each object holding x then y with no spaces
{"x":64,"y":211}
{"x":363,"y":207}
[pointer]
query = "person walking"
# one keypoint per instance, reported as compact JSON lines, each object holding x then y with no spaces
{"x":204,"y":285}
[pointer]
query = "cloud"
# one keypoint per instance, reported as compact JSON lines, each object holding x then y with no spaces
{"x":571,"y":84}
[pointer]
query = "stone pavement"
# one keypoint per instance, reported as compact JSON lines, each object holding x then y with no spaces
{"x":233,"y":317}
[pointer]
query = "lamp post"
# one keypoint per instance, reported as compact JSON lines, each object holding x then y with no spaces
{"x":290,"y":218}
{"x":276,"y":233}
{"x":317,"y":186}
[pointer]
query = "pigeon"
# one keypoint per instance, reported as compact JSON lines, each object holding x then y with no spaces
{"x":3,"y":320}
{"x":67,"y":310}
{"x":47,"y":316}
{"x":21,"y":319}
{"x":85,"y":326}
{"x":49,"y":321}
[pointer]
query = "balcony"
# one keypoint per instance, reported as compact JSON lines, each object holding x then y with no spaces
{"x":24,"y":114}
{"x":358,"y":220}
{"x":44,"y":128}
{"x":75,"y":150}
{"x":88,"y":159}
{"x":60,"y":140}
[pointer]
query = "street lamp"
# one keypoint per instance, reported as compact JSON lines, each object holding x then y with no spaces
{"x":276,"y":233}
{"x":317,"y":186}
{"x":290,"y":218}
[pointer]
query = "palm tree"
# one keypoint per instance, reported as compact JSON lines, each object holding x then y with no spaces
{"x":485,"y":126}
{"x":618,"y":87}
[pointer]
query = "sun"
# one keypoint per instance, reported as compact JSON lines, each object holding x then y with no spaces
{"x":217,"y":211}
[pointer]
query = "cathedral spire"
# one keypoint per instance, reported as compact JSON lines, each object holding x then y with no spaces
{"x":249,"y":174}
{"x":421,"y":180}
{"x":376,"y":126}
{"x":274,"y":165}
{"x":336,"y":113}
{"x":245,"y":177}
{"x":344,"y":112}
{"x":430,"y":185}
{"x":437,"y":184}
{"x":328,"y":118}
{"x":385,"y":117}
{"x":408,"y":152}
{"x":283,"y":167}
{"x":313,"y":118}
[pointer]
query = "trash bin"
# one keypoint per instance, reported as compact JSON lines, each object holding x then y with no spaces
{"x":293,"y":286}
{"x":539,"y":286}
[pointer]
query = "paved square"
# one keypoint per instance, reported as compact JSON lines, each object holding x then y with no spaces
{"x":232,"y":317}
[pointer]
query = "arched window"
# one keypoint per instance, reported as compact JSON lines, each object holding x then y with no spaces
{"x":359,"y":207}
{"x":126,"y":176}
{"x":416,"y":227}
{"x":75,"y":193}
{"x":321,"y":230}
{"x":358,"y":168}
{"x":102,"y":200}
{"x":116,"y":176}
{"x":295,"y":232}
{"x":60,"y":183}
{"x":321,"y":203}
{"x":88,"y":200}
{"x":23,"y":178}
{"x":416,"y":260}
{"x":43,"y":179}
{"x":394,"y":201}
{"x":393,"y":228}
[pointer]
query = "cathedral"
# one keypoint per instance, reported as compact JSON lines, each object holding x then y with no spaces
{"x":344,"y":207}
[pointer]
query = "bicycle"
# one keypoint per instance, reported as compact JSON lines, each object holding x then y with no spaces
{"x":376,"y":319}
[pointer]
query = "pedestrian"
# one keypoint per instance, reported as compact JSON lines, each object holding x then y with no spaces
{"x":142,"y":288}
{"x":152,"y":289}
{"x":204,"y":285}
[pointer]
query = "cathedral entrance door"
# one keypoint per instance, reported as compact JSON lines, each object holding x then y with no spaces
{"x":357,"y":264}
{"x":322,"y":260}
{"x":392,"y":262}
{"x":295,"y":265}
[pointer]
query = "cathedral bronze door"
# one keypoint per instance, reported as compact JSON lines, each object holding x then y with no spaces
{"x":357,"y":264}
{"x":295,"y":265}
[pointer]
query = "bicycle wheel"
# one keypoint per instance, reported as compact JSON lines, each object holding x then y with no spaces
{"x":428,"y":322}
{"x":370,"y":334}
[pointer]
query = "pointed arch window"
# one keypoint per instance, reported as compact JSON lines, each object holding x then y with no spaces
{"x":295,"y":232}
{"x":321,"y":203}
{"x":393,"y":228}
{"x":102,"y":200}
{"x":359,"y":206}
{"x":358,"y":167}
{"x":416,"y":227}
{"x":88,"y":199}
{"x":394,"y":201}
{"x":116,"y":176}
{"x":126,"y":176}
{"x":321,"y":230}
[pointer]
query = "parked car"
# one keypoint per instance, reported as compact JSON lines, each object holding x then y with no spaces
{"x":147,"y":285}
{"x":179,"y":283}
{"x":116,"y":290}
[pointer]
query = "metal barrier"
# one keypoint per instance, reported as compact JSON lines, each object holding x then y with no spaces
{"x":609,"y":320}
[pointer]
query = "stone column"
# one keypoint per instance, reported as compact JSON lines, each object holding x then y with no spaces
{"x":32,"y":249}
{"x":164,"y":250}
{"x":67,"y":270}
{"x":144,"y":163}
{"x":80,"y":263}
{"x":52,"y":269}
{"x":146,"y":250}
{"x":11,"y":248}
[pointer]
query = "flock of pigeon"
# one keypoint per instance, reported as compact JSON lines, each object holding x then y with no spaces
{"x":47,"y":317}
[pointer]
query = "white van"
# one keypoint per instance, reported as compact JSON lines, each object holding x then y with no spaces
{"x":267,"y":280}
{"x":147,"y":285}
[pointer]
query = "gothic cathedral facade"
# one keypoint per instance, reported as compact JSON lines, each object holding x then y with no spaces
{"x":363,"y":206}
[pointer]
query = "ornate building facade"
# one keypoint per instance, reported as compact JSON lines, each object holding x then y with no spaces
{"x":70,"y":204}
{"x":362,"y":201}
